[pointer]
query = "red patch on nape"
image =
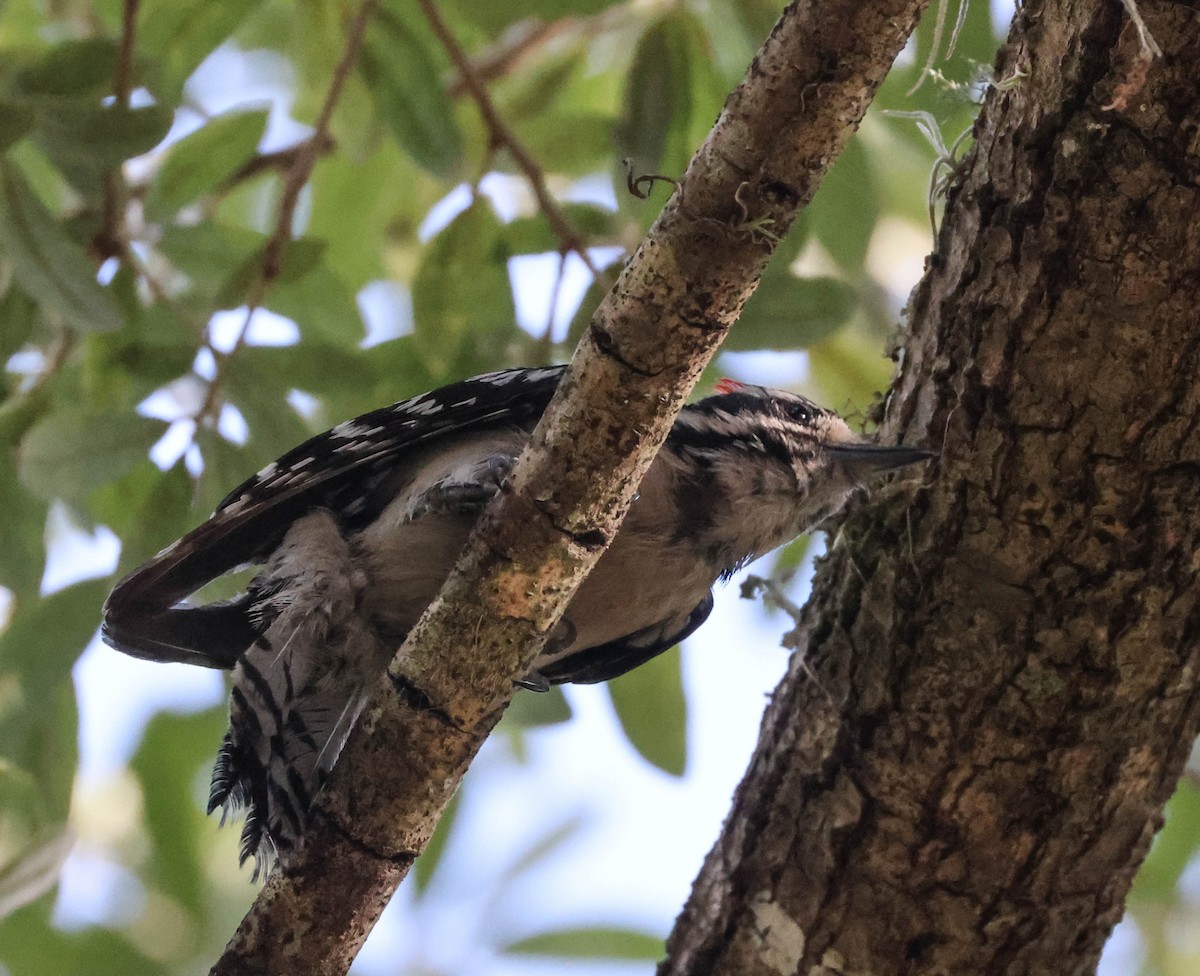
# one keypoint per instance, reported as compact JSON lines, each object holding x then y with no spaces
{"x":726,"y":385}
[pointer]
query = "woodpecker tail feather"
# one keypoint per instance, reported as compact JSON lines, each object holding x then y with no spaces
{"x":297,"y":690}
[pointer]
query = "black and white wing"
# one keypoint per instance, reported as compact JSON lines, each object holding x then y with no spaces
{"x":350,"y":471}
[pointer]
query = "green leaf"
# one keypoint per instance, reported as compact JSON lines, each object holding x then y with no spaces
{"x":787,"y":312}
{"x":226,"y":465}
{"x":29,"y":873}
{"x":407,"y":86}
{"x":848,"y":369}
{"x":321,"y":305}
{"x":653,"y":95}
{"x":178,"y":34}
{"x":534,"y":235}
{"x":175,"y":751}
{"x":425,"y":865}
{"x":202,"y":161}
{"x":32,"y":947}
{"x":148,"y":508}
{"x":652,"y":709}
{"x":22,"y":550}
{"x":16,"y":119}
{"x":73,"y":451}
{"x":260,"y":393}
{"x":70,"y":68}
{"x":17,"y":315}
{"x":493,"y":17}
{"x":313,"y":366}
{"x":543,"y":848}
{"x":672,"y":95}
{"x":49,"y":266}
{"x":590,"y":943}
{"x":86,"y":139}
{"x":462,"y":298}
{"x":529,"y":709}
{"x":843,"y":215}
{"x":46,"y":637}
{"x":210,"y":254}
{"x":1173,"y":849}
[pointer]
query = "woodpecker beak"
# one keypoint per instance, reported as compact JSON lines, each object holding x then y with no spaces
{"x":868,"y":459}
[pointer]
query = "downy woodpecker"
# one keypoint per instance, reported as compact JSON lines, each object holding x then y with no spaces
{"x":358,"y":528}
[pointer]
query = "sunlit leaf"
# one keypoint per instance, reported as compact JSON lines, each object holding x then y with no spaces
{"x":847,"y":370}
{"x":1173,"y":849}
{"x":653,"y":711}
{"x":49,"y":266}
{"x":590,"y":943}
{"x":202,"y":161}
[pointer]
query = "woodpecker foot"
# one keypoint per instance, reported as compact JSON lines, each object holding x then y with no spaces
{"x":534,"y":681}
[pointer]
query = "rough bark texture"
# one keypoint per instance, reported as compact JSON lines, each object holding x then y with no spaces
{"x":802,"y":99}
{"x":996,"y":681}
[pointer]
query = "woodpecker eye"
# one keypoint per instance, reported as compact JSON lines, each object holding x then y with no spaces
{"x":800,"y":411}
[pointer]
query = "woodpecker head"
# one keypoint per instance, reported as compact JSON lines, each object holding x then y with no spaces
{"x":774,"y":465}
{"x":795,"y":432}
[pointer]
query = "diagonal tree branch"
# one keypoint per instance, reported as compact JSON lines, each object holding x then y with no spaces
{"x":647,"y":344}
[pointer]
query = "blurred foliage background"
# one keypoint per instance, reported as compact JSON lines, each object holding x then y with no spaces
{"x":220,"y":234}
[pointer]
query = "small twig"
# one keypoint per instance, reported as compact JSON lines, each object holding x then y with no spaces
{"x":771,"y":593}
{"x":548,"y":335}
{"x":281,"y":160}
{"x":108,"y":240}
{"x":209,"y":412}
{"x":308,"y":152}
{"x":302,"y":162}
{"x":640,"y":186}
{"x":510,"y":50}
{"x":500,"y":134}
{"x":159,"y":290}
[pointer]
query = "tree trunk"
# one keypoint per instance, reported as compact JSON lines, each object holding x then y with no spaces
{"x":996,"y":683}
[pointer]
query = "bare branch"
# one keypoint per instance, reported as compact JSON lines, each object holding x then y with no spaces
{"x":302,"y":159}
{"x":110,"y":239}
{"x":501,"y":134}
{"x":310,"y":151}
